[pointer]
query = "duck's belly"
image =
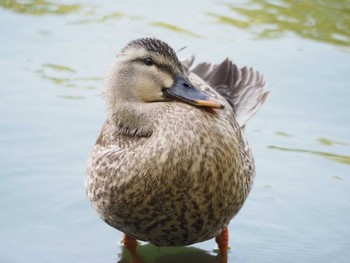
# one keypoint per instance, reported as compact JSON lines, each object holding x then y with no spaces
{"x":181,"y":211}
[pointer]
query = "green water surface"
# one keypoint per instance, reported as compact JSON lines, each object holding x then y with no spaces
{"x":54,"y":56}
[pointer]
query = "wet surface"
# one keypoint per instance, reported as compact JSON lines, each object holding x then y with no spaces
{"x":54,"y":55}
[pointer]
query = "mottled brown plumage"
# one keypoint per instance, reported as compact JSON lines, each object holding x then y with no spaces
{"x":164,"y":170}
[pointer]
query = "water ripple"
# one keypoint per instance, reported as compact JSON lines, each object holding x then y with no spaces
{"x":325,"y":21}
{"x":344,"y":159}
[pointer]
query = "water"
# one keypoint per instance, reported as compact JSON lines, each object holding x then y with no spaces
{"x":54,"y":55}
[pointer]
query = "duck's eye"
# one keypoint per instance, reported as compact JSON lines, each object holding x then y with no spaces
{"x":148,"y":62}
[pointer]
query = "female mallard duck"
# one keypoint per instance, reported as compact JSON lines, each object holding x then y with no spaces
{"x":171,"y":165}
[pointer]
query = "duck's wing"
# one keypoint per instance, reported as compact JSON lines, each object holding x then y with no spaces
{"x":243,"y":88}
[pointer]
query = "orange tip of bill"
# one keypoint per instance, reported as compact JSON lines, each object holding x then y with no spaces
{"x":211,"y":103}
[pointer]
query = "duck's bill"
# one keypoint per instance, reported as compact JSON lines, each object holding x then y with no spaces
{"x":183,"y":90}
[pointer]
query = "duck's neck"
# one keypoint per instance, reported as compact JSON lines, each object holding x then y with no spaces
{"x":133,"y":119}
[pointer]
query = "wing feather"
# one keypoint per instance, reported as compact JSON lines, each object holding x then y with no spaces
{"x":243,"y":88}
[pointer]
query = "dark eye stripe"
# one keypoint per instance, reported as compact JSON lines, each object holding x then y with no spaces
{"x":163,"y":67}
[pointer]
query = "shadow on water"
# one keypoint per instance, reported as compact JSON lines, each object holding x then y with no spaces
{"x":151,"y":254}
{"x":39,"y":7}
{"x":324,"y":20}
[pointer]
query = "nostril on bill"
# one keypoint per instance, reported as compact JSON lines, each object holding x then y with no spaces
{"x":185,"y":85}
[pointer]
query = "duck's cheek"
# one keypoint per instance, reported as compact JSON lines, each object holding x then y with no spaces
{"x":149,"y":87}
{"x":148,"y":91}
{"x":167,"y":80}
{"x":156,"y":96}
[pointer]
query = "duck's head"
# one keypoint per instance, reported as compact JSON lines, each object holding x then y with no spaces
{"x":147,"y":70}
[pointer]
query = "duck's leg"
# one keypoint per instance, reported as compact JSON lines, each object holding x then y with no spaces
{"x":222,"y":241}
{"x":130,"y":244}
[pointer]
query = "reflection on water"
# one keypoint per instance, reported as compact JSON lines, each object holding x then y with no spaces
{"x":330,"y":156}
{"x":94,"y":17}
{"x":328,"y":142}
{"x":283,"y":134}
{"x":337,"y":177}
{"x":59,"y":67}
{"x":65,"y":76}
{"x":175,"y":28}
{"x":70,"y":97}
{"x":324,"y":20}
{"x":39,"y":7}
{"x":102,"y":19}
{"x":151,"y":254}
{"x":344,"y":159}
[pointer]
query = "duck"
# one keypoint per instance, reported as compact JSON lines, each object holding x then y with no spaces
{"x":171,"y":165}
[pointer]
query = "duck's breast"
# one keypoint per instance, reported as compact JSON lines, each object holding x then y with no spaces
{"x":181,"y":185}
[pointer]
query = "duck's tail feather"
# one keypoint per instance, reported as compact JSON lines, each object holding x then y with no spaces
{"x":243,"y":88}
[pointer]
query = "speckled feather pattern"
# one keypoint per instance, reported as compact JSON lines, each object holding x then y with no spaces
{"x":178,"y":184}
{"x":181,"y":185}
